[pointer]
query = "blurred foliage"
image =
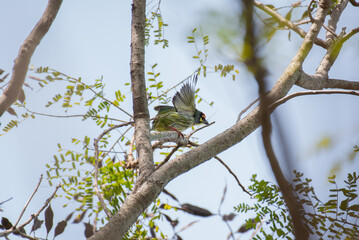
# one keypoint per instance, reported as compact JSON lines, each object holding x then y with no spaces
{"x":338,"y":153}
{"x":335,"y":219}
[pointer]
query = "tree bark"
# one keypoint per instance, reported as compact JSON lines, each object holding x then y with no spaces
{"x":139,"y":95}
{"x":21,"y":65}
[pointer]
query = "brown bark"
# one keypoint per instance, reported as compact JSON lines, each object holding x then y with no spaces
{"x":21,"y":65}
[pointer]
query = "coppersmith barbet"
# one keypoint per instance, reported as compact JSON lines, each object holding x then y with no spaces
{"x":183,"y":114}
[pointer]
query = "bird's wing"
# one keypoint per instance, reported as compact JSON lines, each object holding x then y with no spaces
{"x":184,"y":99}
{"x":164,"y":109}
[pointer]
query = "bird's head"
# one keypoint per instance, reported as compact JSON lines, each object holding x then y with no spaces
{"x":200,"y":117}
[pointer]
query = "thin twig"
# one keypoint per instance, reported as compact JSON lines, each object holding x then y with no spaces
{"x":257,"y":229}
{"x":310,"y":12}
{"x":47,"y":202}
{"x":131,"y":162}
{"x":329,"y":30}
{"x":71,"y":116}
{"x":118,"y":139}
{"x":116,"y":106}
{"x":302,"y":22}
{"x":28,"y":201}
{"x":229,"y":170}
{"x":1,"y":203}
{"x":297,"y":94}
{"x":24,"y":235}
{"x":230,"y":230}
{"x":94,"y":92}
{"x":169,"y":156}
{"x":350,"y":34}
{"x":95,"y":220}
{"x":198,"y":129}
{"x":233,"y":174}
{"x":246,"y":109}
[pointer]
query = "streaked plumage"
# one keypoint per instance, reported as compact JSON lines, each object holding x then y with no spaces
{"x":184,"y":113}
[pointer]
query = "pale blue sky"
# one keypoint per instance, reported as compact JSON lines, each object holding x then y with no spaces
{"x":92,"y":39}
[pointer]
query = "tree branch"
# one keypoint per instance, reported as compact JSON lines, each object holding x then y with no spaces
{"x":13,"y":229}
{"x":350,"y":34}
{"x":70,"y":116}
{"x":287,"y":23}
{"x":47,"y":202}
{"x":28,"y":47}
{"x":130,"y":160}
{"x":163,"y":137}
{"x":334,"y":19}
{"x":233,"y":174}
{"x":274,"y":105}
{"x":354,"y":3}
{"x":169,"y":156}
{"x":138,"y":86}
{"x":320,"y":79}
{"x":311,"y":82}
{"x":28,"y":201}
{"x":247,"y":108}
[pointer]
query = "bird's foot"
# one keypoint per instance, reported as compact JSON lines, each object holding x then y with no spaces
{"x":179,"y":133}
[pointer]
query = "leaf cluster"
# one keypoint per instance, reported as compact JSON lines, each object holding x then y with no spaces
{"x":335,"y":219}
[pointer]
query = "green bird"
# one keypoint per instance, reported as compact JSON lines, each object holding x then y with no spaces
{"x":184,"y":113}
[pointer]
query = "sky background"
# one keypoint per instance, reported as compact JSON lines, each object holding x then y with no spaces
{"x":90,"y":39}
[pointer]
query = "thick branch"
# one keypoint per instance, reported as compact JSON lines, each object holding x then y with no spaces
{"x":342,"y":84}
{"x":138,"y":85}
{"x":22,"y":61}
{"x":163,"y":137}
{"x":320,"y":82}
{"x":335,"y":45}
{"x":334,"y":19}
{"x":320,"y":78}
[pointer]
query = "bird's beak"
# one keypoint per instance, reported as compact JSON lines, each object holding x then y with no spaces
{"x":205,"y":122}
